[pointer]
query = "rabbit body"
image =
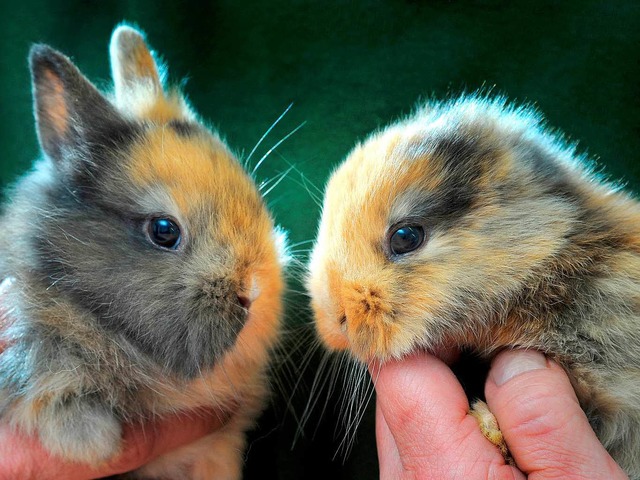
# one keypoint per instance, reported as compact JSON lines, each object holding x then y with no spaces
{"x":111,"y":321}
{"x":471,"y":225}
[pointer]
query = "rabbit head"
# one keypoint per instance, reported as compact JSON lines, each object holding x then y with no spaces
{"x":143,"y":217}
{"x":436,"y":230}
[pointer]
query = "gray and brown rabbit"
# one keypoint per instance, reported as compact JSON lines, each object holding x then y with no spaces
{"x":469,"y":225}
{"x":147,"y":270}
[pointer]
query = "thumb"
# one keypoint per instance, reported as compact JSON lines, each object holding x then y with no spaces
{"x":547,"y":432}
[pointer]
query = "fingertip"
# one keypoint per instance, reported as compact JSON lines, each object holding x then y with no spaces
{"x":414,"y":370}
{"x":541,"y":418}
{"x":519,"y":376}
{"x":418,"y":382}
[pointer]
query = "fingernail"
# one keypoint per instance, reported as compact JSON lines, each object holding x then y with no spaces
{"x":512,"y":363}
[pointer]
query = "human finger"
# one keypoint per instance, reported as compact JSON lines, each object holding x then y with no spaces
{"x":22,"y":456}
{"x":547,"y":432}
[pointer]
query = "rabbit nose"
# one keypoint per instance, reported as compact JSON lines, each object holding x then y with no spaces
{"x":244,"y":301}
{"x":224,"y":296}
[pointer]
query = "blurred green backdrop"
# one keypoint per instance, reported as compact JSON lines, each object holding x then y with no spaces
{"x":348,"y":68}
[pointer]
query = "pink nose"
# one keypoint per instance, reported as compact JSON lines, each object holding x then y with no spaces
{"x":244,"y":301}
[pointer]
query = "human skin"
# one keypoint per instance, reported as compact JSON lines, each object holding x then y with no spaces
{"x":424,"y":431}
{"x":23,"y":457}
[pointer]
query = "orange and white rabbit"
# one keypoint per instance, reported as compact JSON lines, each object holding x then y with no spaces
{"x":469,"y":225}
{"x":147,"y":270}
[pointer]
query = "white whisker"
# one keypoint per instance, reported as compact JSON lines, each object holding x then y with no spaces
{"x":255,"y":169}
{"x":280,"y":177}
{"x":267,"y":133}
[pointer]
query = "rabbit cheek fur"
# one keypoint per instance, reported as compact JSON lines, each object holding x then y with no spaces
{"x":108,"y":327}
{"x":523,"y":247}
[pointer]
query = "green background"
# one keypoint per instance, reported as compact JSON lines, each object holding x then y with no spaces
{"x":348,"y":68}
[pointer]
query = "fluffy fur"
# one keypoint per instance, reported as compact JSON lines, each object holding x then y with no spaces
{"x":525,"y":247}
{"x":108,"y":327}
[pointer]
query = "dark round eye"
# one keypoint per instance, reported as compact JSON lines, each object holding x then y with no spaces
{"x":406,"y":239}
{"x":164,"y":232}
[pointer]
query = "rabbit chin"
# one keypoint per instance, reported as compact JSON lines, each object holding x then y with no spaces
{"x":378,"y":338}
{"x":367,"y":346}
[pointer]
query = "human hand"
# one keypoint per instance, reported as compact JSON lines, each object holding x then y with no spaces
{"x":22,"y":456}
{"x":424,"y":431}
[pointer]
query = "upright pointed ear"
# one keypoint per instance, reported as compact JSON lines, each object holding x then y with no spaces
{"x":69,"y":110}
{"x":135,"y":72}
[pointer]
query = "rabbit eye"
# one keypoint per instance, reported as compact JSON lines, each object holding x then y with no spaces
{"x":164,"y":232}
{"x":406,"y":239}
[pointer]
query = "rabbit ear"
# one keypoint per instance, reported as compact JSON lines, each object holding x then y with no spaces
{"x":69,"y":110}
{"x":134,"y":70}
{"x":138,"y":80}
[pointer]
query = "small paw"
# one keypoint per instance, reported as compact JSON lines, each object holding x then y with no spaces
{"x":80,"y":429}
{"x":490,"y":429}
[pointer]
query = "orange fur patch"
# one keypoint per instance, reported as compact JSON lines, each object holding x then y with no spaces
{"x":163,"y":109}
{"x":195,"y":170}
{"x":141,"y":62}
